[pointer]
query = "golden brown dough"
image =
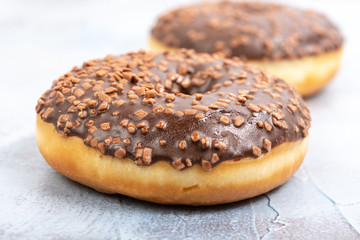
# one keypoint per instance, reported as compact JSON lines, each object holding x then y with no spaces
{"x":228,"y":182}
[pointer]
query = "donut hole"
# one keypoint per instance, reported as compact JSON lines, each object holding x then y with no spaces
{"x":206,"y":87}
{"x":198,"y":80}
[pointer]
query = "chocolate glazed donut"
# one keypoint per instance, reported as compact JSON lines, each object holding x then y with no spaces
{"x":179,"y":113}
{"x":301,"y":46}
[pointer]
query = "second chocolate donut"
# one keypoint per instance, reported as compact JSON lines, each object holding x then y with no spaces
{"x":301,"y":46}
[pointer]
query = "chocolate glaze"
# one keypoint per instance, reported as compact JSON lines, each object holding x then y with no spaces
{"x":219,"y":79}
{"x":248,"y":30}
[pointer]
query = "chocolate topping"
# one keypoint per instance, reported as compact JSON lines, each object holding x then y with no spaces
{"x":119,"y":105}
{"x":248,"y":30}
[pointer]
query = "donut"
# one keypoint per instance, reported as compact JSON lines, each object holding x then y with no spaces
{"x":302,"y":47}
{"x":177,"y":127}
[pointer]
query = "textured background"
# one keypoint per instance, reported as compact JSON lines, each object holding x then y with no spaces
{"x":40,"y":40}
